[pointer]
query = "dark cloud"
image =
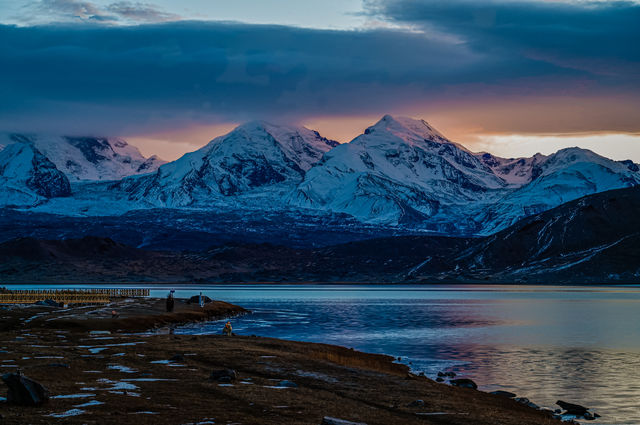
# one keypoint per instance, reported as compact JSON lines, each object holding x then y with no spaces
{"x":75,"y":78}
{"x":600,"y":38}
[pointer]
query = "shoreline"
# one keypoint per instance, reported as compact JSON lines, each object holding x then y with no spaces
{"x":136,"y":373}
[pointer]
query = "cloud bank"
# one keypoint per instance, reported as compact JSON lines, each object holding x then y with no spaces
{"x":76,"y":78}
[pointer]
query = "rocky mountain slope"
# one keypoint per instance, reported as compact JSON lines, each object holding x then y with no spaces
{"x":558,"y":178}
{"x":593,"y":239}
{"x":28,"y":177}
{"x":256,"y":156}
{"x":399,"y":171}
{"x":89,"y":158}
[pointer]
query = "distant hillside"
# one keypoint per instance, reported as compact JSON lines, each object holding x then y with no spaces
{"x":592,"y":240}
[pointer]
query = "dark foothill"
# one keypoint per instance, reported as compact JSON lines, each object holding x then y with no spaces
{"x":464,"y":383}
{"x":24,"y":391}
{"x":223,"y":375}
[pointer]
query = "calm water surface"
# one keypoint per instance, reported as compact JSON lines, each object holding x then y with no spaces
{"x":578,"y":344}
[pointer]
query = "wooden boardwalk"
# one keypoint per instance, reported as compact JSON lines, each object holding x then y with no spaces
{"x":69,"y":296}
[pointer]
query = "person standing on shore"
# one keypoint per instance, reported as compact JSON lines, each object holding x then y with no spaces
{"x":228,"y":330}
{"x":170,"y":301}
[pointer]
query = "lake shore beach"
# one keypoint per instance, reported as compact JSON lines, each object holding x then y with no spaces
{"x":102,"y":369}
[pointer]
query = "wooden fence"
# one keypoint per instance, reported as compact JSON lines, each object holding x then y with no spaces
{"x":69,"y":296}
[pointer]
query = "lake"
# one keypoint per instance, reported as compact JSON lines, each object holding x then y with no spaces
{"x":578,"y":344}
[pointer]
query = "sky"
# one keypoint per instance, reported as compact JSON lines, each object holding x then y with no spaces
{"x":513,"y":77}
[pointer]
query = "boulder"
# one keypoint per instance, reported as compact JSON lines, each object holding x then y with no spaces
{"x":527,"y":402}
{"x":24,"y":391}
{"x":438,"y":379}
{"x":224,"y":375}
{"x":464,"y":383}
{"x":328,"y":420}
{"x":503,"y":393}
{"x":447,"y":374}
{"x":196,"y":299}
{"x":572,"y":409}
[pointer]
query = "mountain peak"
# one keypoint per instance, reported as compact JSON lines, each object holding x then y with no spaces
{"x":403,"y":126}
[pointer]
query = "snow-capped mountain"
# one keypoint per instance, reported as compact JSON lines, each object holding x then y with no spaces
{"x":254,"y":156}
{"x":566,"y":175}
{"x":514,"y":171}
{"x":89,"y":158}
{"x":400,"y":170}
{"x":28,"y":177}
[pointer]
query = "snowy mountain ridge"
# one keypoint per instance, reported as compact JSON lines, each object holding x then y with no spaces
{"x":89,"y":158}
{"x":399,"y":172}
{"x":254,"y":156}
{"x":399,"y":169}
{"x":28,"y":177}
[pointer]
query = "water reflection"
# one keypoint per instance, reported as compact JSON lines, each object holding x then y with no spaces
{"x":546,"y":345}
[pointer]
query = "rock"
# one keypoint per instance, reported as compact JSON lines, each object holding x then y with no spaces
{"x":196,"y":299}
{"x":328,"y":420}
{"x":288,"y":384}
{"x":572,"y":409}
{"x":527,"y":402}
{"x":439,"y":379}
{"x":447,"y":374}
{"x":416,"y":403}
{"x":464,"y":383}
{"x":595,"y":415}
{"x":589,"y":417}
{"x":224,"y":375}
{"x":503,"y":393}
{"x":177,"y":358}
{"x":24,"y":391}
